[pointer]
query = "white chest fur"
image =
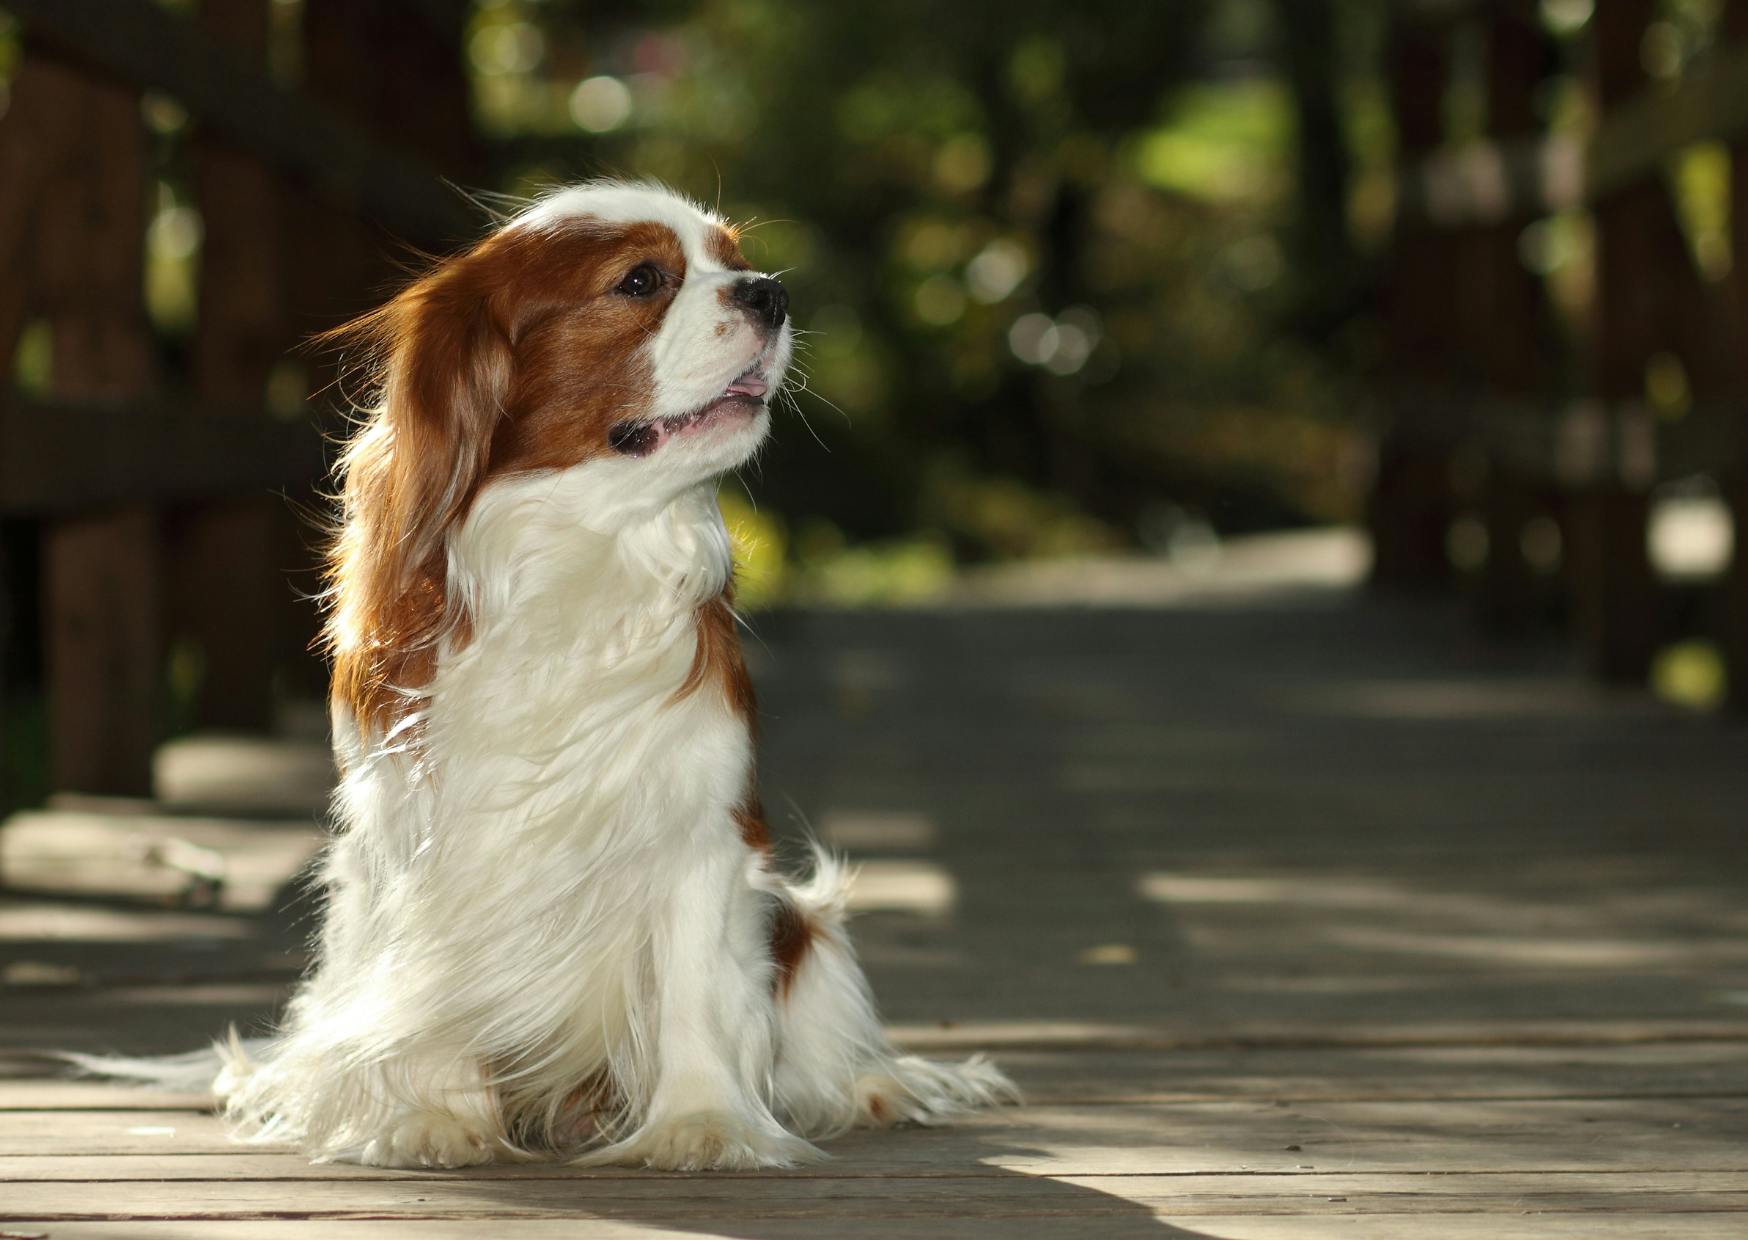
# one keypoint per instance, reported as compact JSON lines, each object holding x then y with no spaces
{"x":560,"y":714}
{"x":552,"y":775}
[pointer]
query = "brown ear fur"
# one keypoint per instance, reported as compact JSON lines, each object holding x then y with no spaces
{"x":407,"y":477}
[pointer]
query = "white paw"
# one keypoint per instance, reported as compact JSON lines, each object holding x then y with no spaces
{"x":922,"y":1091}
{"x":707,"y":1141}
{"x":429,"y":1139}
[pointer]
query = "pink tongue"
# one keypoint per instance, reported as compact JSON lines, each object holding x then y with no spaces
{"x":748,"y":384}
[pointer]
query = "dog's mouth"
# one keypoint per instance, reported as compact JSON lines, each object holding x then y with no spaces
{"x":740,"y":400}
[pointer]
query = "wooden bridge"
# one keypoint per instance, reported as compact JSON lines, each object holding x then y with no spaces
{"x":1297,"y":910}
{"x":1295,"y":916}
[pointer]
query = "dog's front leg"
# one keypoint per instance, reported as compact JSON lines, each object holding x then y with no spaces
{"x":709,"y":1107}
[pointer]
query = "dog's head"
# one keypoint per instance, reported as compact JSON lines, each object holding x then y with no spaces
{"x":604,"y":321}
{"x":613,"y":330}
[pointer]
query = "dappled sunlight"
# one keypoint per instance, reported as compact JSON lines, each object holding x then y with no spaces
{"x":245,"y":774}
{"x":1253,"y":569}
{"x":236,"y":865}
{"x":948,"y":1036}
{"x":1513,"y":951}
{"x":1531,"y":895}
{"x":31,"y":920}
{"x":850,"y":830}
{"x":1189,"y":889}
{"x":1517,"y":922}
{"x":913,"y":885}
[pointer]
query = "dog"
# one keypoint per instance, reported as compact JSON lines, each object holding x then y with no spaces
{"x":553,"y":928}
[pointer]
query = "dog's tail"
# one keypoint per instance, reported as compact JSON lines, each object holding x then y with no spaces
{"x":821,"y":900}
{"x":211,"y":1069}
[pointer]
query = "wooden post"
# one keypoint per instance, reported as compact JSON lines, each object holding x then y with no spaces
{"x":33,"y":140}
{"x":34,"y":136}
{"x":1410,"y":509}
{"x":395,"y":72}
{"x":231,"y":594}
{"x":1609,"y":563}
{"x":102,"y":596}
{"x":6,"y":641}
{"x":1734,"y":635}
{"x":1502,"y":313}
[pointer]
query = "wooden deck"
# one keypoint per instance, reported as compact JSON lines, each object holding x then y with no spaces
{"x":1295,"y":916}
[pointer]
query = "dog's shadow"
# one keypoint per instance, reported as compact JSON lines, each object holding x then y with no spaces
{"x":936,"y":1186}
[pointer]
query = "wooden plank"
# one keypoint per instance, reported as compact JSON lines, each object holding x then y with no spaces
{"x":187,"y":1006}
{"x":1178,"y":1002}
{"x":872,"y":1223}
{"x":1686,"y":1134}
{"x":1075,"y":1076}
{"x":1504,"y":1225}
{"x":291,"y":1173}
{"x":935,"y":1200}
{"x":1604,"y":950}
{"x":67,"y":457}
{"x":155,"y":856}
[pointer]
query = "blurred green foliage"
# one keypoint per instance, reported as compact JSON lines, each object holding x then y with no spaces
{"x":1038,"y":251}
{"x":1071,"y":277}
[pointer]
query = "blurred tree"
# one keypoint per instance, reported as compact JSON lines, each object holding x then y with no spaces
{"x":1069,"y":272}
{"x":1036,"y":243}
{"x":1321,"y":251}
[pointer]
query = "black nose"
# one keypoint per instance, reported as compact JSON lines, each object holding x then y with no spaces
{"x":766,"y":298}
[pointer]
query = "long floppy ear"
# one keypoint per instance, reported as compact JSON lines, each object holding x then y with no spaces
{"x":407,"y":476}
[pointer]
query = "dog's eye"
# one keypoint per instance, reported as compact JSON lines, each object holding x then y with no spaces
{"x":640,"y":281}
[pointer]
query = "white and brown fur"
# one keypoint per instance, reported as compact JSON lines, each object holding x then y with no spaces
{"x":553,"y":928}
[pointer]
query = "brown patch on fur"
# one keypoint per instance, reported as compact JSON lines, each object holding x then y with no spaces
{"x":717,"y":660}
{"x":791,"y":933}
{"x":517,"y":355}
{"x":717,"y":656}
{"x":877,"y":1109}
{"x":724,"y":246}
{"x":749,"y":820}
{"x":578,"y":366}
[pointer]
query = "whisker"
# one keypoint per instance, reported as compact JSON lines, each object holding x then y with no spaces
{"x":802,"y":414}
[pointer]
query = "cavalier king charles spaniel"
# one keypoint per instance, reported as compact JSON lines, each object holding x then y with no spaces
{"x":553,"y":927}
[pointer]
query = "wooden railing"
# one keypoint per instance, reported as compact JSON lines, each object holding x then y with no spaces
{"x":63,"y":458}
{"x":1485,"y":181}
{"x":1472,"y":376}
{"x":167,"y":511}
{"x":139,"y":43}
